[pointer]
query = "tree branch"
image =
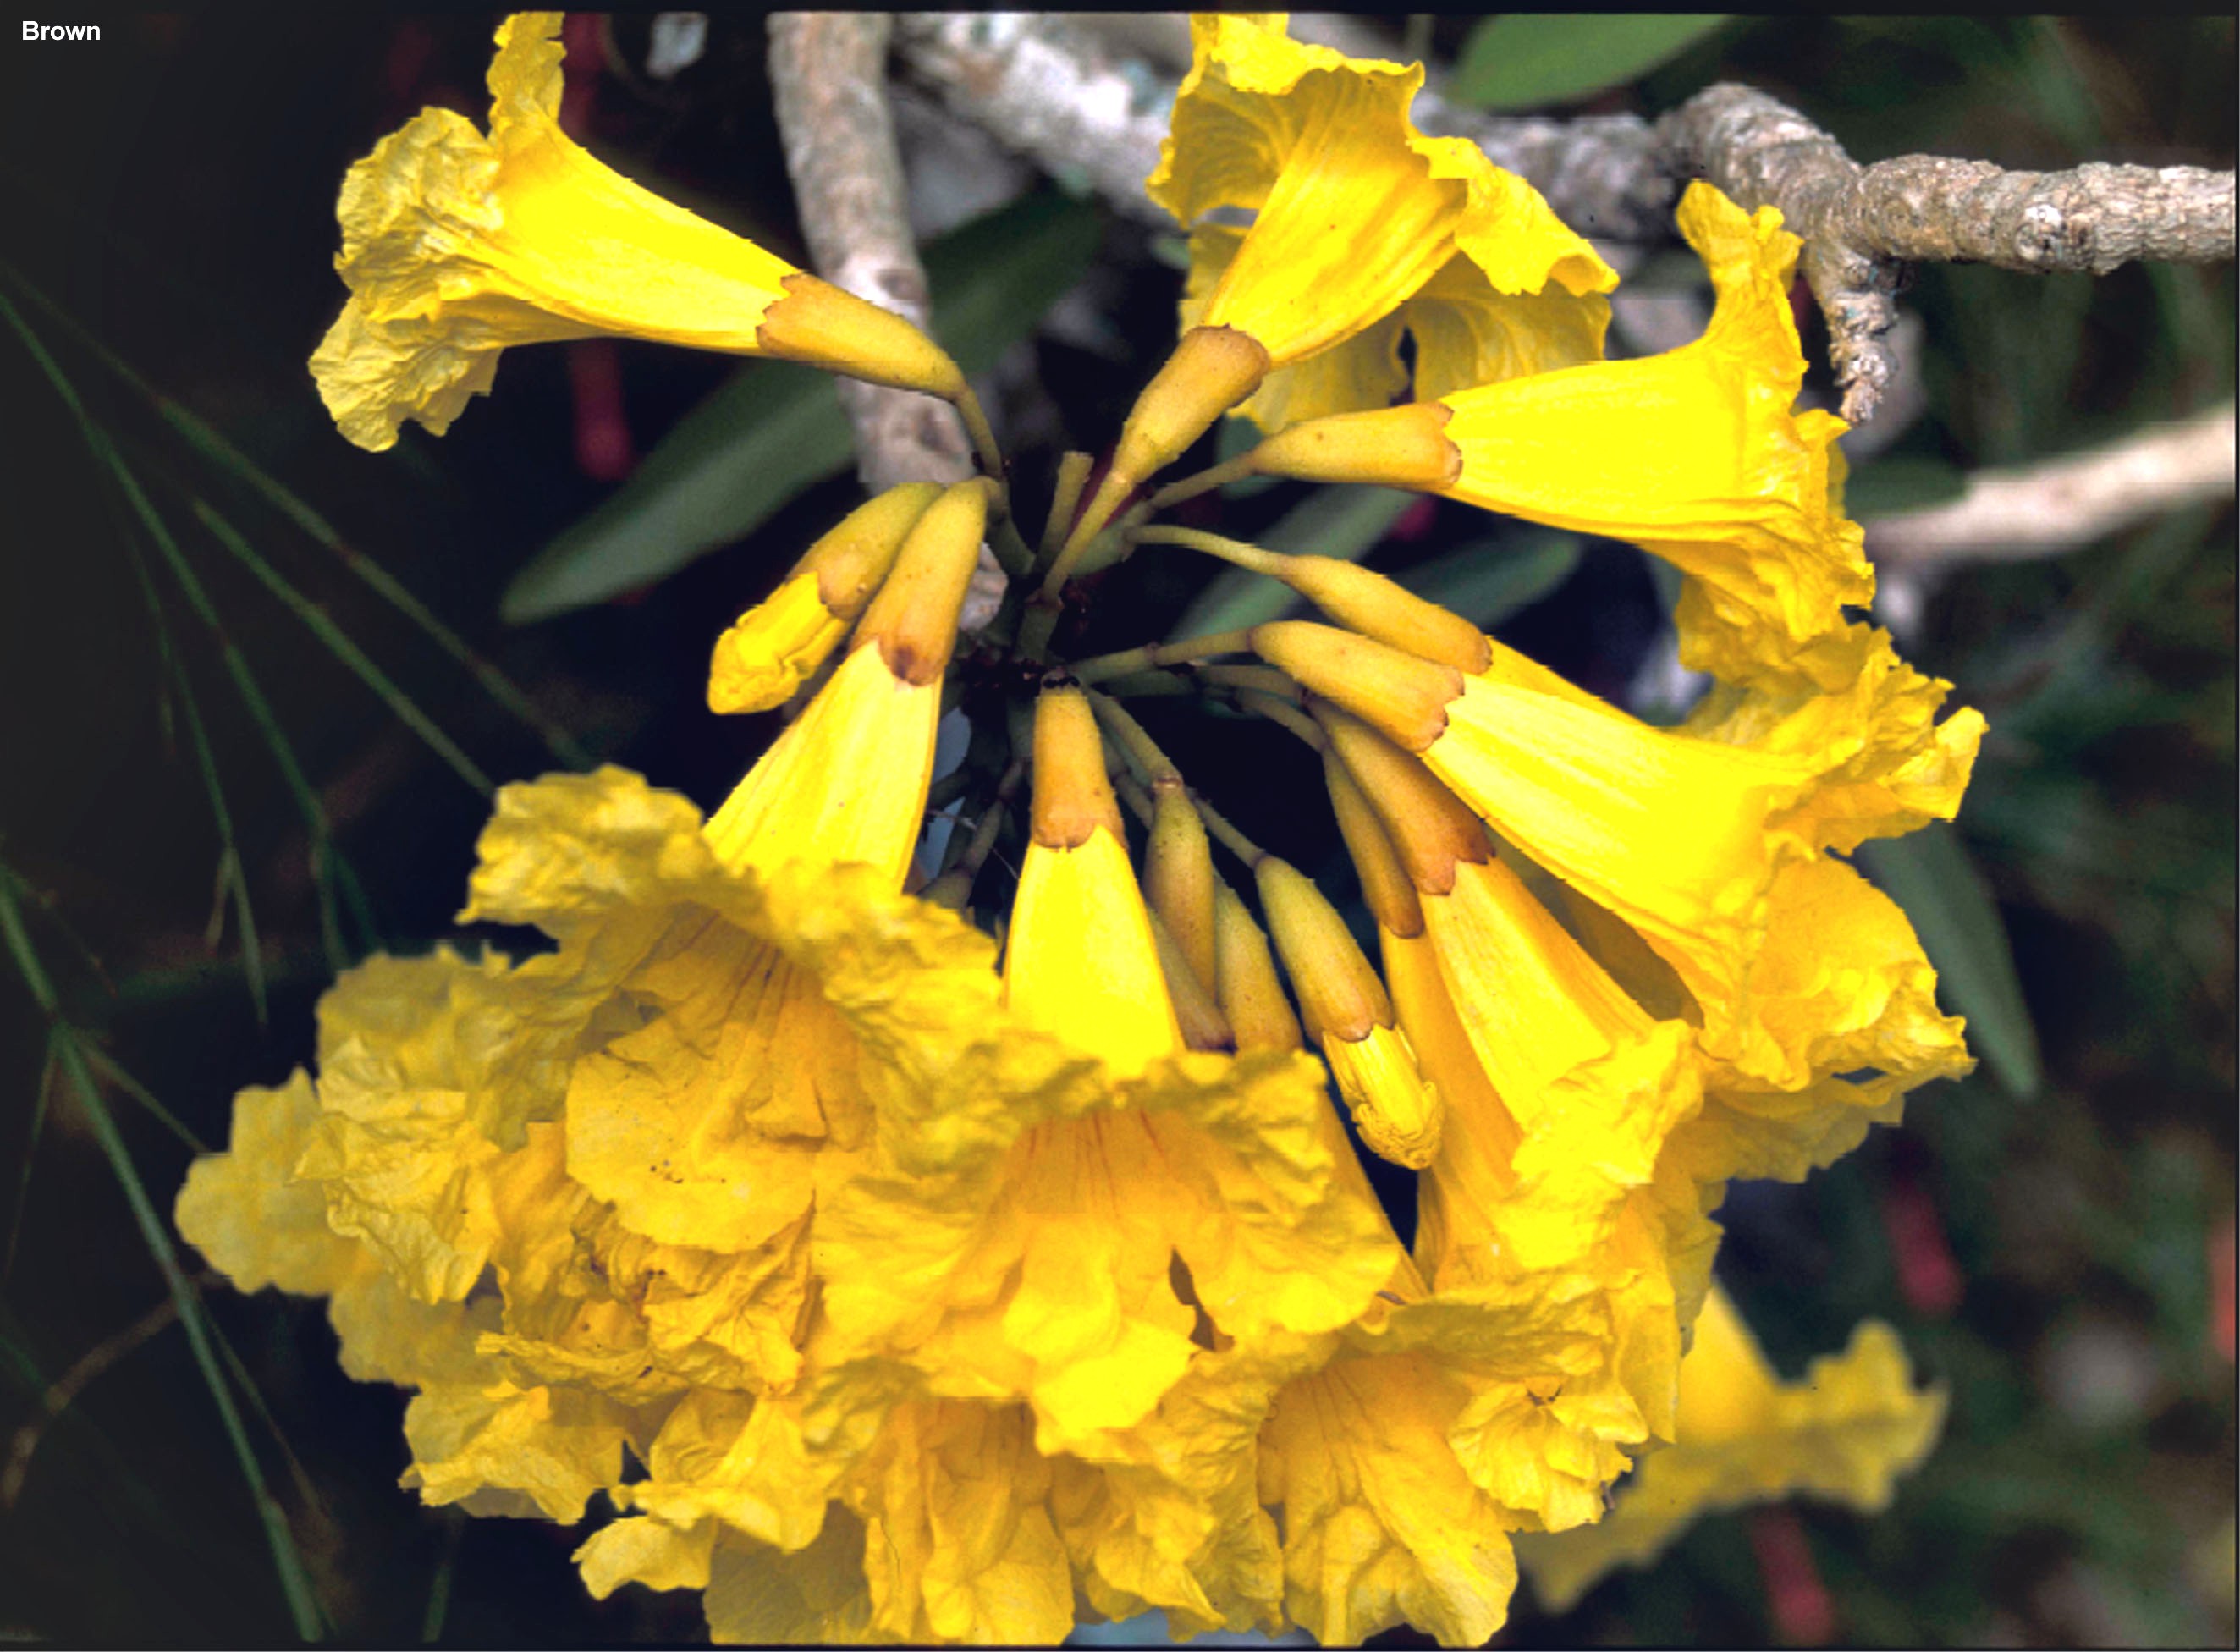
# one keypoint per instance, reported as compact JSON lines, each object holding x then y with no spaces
{"x":1860,"y":223}
{"x":2065,"y":503}
{"x":1047,"y":88}
{"x":827,"y":72}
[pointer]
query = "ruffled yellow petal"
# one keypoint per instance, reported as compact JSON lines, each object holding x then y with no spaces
{"x":503,"y":1450}
{"x":638,"y":1550}
{"x":1320,"y":149}
{"x":247,"y":1213}
{"x":760,"y":1596}
{"x":1849,"y":1004}
{"x":456,"y":246}
{"x":1845,"y":1432}
{"x":1353,"y":209}
{"x":959,"y":1544}
{"x":1380,"y":1524}
{"x":1719,"y":476}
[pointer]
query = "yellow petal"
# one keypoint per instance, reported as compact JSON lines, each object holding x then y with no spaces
{"x":1398,"y":1114}
{"x":503,"y":1450}
{"x":456,"y":246}
{"x":1080,"y":961}
{"x":1381,"y":1526}
{"x":1353,"y":210}
{"x":1720,"y":477}
{"x":759,"y":1596}
{"x":1845,"y":1432}
{"x":638,"y":1550}
{"x":846,"y":782}
{"x":247,"y":1213}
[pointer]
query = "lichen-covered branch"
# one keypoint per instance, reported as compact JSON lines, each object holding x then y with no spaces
{"x":827,"y":72}
{"x":1860,"y":224}
{"x":1050,"y":91}
{"x":1050,"y":88}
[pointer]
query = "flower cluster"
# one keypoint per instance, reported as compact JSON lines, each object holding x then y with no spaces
{"x":888,"y":1285}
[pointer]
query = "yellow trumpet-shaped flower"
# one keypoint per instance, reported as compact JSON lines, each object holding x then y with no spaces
{"x":776,"y":646}
{"x":1695,"y":455}
{"x":1679,"y":835}
{"x":1107,"y":1220}
{"x":1846,"y":1432}
{"x":456,"y":245}
{"x":1353,"y":212}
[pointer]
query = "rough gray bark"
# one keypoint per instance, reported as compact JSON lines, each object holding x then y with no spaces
{"x":1048,"y":88}
{"x":1860,"y":224}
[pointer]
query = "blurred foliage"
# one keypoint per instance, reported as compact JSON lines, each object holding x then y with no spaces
{"x":258,"y":681}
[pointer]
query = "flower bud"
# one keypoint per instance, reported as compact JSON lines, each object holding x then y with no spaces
{"x":1404,"y":696}
{"x":777,"y":645}
{"x":913,"y":619}
{"x":1399,"y":447}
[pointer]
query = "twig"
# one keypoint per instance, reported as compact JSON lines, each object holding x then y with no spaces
{"x":827,"y":75}
{"x":1860,"y":224}
{"x":828,"y":71}
{"x":1048,"y":89}
{"x":2062,"y":504}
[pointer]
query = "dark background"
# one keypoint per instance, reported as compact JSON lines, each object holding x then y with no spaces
{"x":2043,"y":1236}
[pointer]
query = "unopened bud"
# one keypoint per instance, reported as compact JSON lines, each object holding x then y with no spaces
{"x":777,"y":645}
{"x":1338,"y":991}
{"x":819,"y":323}
{"x":1073,"y":795}
{"x":1385,"y":881}
{"x":1251,"y":995}
{"x":1375,"y":606}
{"x":1400,"y":447}
{"x":1178,"y":877}
{"x":913,"y":619}
{"x":1404,"y":695}
{"x":1424,"y":823}
{"x":1204,"y":1025}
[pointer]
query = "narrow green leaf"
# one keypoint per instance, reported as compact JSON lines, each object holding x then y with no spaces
{"x":30,"y":1151}
{"x":1343,"y":522}
{"x":775,"y":429}
{"x":325,"y":860}
{"x":295,"y":1579}
{"x":1488,"y":582}
{"x":140,"y":1093}
{"x":1531,"y":59}
{"x":1930,"y":874}
{"x":343,"y":648}
{"x":252,"y":950}
{"x":208,"y":441}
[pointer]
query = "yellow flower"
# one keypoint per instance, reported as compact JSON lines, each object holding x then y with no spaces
{"x":1353,"y":212}
{"x":1105,"y":1205}
{"x":1694,"y":455}
{"x":1681,"y":835}
{"x":776,"y":646}
{"x":1845,"y":1432}
{"x":456,"y":245}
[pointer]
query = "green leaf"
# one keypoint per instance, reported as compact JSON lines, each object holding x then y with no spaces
{"x":1487,"y":582}
{"x":775,"y":428}
{"x":1528,"y":60}
{"x":1930,"y":874}
{"x":1343,"y":522}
